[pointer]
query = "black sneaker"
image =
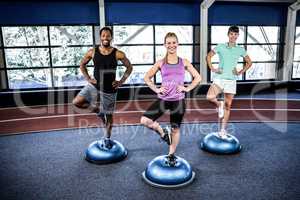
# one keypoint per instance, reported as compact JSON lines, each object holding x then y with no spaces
{"x":107,"y":143}
{"x":103,"y":117}
{"x":167,"y":136}
{"x":171,"y":160}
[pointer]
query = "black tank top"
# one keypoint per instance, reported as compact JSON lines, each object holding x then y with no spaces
{"x":105,"y":67}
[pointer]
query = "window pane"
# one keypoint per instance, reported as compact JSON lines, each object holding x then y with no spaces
{"x":29,"y":78}
{"x":137,"y":75}
{"x":69,"y":77}
{"x":187,"y":77}
{"x":297,"y":35}
{"x":25,"y":36}
{"x":215,"y":58}
{"x":262,"y":52}
{"x":261,"y":71}
{"x":260,"y":34}
{"x":70,"y":56}
{"x":297,"y":53}
{"x":219,"y":34}
{"x":184,"y":33}
{"x":138,"y":54}
{"x":239,"y":67}
{"x":296,"y":65}
{"x":29,"y":57}
{"x":296,"y":70}
{"x":133,"y":34}
{"x":71,"y":35}
{"x":185,"y":51}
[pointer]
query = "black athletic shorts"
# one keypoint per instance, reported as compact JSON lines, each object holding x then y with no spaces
{"x":159,"y":107}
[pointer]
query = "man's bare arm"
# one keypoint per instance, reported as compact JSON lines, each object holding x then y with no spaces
{"x":86,"y":59}
{"x":127,"y":64}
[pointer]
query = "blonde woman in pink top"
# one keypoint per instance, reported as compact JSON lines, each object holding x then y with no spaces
{"x":170,"y":94}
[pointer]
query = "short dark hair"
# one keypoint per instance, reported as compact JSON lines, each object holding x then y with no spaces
{"x":234,"y":29}
{"x":106,"y":28}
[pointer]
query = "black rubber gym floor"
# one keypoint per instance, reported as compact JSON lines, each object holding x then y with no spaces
{"x":51,"y":165}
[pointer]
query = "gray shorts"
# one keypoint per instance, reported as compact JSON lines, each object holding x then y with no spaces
{"x":107,"y":100}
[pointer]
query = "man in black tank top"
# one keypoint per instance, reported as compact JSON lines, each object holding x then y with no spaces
{"x":103,"y":84}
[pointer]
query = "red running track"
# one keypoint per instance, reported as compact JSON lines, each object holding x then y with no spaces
{"x":51,"y":117}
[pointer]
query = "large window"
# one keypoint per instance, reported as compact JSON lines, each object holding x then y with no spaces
{"x":68,"y":46}
{"x":137,"y":41}
{"x":185,"y":49}
{"x":296,"y":63}
{"x":219,"y":35}
{"x":49,"y":56}
{"x":262,"y":45}
{"x":27,"y":57}
{"x":45,"y":56}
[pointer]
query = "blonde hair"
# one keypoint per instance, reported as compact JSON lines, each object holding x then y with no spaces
{"x":168,"y":35}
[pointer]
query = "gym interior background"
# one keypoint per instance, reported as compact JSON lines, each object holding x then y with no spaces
{"x":41,"y":45}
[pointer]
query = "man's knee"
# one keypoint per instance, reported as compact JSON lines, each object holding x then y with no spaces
{"x":80,"y":102}
{"x":75,"y":102}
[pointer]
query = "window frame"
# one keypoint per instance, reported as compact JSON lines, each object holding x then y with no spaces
{"x":295,"y":61}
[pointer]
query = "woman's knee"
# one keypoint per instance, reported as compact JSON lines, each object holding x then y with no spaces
{"x":149,"y":123}
{"x":145,"y":121}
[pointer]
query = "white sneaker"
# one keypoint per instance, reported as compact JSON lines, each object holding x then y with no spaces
{"x":223,"y":134}
{"x":221,"y":110}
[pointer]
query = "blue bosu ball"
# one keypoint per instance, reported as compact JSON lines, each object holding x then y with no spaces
{"x":97,"y":152}
{"x":214,"y":144}
{"x":159,"y":173}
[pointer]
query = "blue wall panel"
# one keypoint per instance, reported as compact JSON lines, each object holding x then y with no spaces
{"x":49,"y":13}
{"x":248,"y":14}
{"x":152,"y":13}
{"x":86,"y":12}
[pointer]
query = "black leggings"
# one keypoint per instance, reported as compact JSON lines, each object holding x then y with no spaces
{"x":159,"y":107}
